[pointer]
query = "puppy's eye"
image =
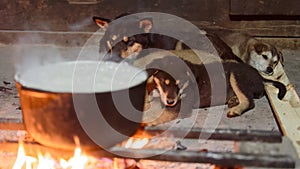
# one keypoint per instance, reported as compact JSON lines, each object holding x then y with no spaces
{"x":275,"y":62}
{"x":265,"y":57}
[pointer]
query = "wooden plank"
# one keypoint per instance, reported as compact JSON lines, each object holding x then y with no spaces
{"x":288,"y":117}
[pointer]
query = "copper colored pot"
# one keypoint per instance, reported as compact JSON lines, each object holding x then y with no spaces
{"x":102,"y":118}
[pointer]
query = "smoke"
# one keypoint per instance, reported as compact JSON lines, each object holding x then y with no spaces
{"x":28,"y":54}
{"x":31,"y":51}
{"x":33,"y":48}
{"x":80,"y":24}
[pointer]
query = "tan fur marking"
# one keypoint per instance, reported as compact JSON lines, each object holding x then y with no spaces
{"x":184,"y":86}
{"x":137,"y":47}
{"x":114,"y":37}
{"x":134,"y":49}
{"x":124,"y":54}
{"x":125,"y":39}
{"x":167,"y":81}
{"x":146,"y":24}
{"x":243,"y":100}
{"x":109,"y":45}
{"x":178,"y":45}
{"x":161,"y":92}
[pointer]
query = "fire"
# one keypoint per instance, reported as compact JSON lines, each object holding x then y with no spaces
{"x":138,"y":140}
{"x":78,"y":161}
{"x":136,"y":143}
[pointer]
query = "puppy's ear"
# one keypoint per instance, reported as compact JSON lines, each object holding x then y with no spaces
{"x":280,"y":56}
{"x":101,"y":22}
{"x":277,"y":52}
{"x":151,"y":72}
{"x":146,"y":24}
{"x":259,"y":47}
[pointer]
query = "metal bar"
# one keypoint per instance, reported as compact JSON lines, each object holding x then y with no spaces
{"x":11,"y":124}
{"x":193,"y":133}
{"x":218,"y":134}
{"x":219,"y":158}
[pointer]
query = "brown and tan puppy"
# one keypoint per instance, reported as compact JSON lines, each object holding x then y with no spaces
{"x":264,"y":57}
{"x":239,"y":90}
{"x":127,"y":35}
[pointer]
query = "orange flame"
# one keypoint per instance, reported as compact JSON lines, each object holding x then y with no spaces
{"x":136,"y":143}
{"x":140,"y":139}
{"x":78,"y":161}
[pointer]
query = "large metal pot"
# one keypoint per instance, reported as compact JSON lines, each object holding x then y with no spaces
{"x":99,"y":117}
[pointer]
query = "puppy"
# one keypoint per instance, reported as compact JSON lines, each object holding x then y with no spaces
{"x":240,"y":90}
{"x":264,"y":57}
{"x":126,"y":37}
{"x":172,"y":79}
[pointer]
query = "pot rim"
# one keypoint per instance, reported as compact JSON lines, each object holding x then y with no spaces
{"x":18,"y":79}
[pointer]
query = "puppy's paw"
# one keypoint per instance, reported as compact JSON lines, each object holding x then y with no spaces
{"x":292,"y":96}
{"x":234,"y":112}
{"x":233,"y":101}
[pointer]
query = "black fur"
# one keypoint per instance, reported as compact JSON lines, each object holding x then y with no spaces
{"x":279,"y":85}
{"x":222,"y":48}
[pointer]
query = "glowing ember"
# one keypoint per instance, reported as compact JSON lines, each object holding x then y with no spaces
{"x":138,"y":140}
{"x":136,"y":143}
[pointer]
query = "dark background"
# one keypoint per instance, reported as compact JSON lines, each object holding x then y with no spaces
{"x":261,"y":18}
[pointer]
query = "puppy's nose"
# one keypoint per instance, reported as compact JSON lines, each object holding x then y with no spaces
{"x":170,"y":102}
{"x":269,"y":70}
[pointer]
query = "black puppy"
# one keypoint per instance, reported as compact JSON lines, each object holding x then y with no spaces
{"x":125,"y":37}
{"x":242,"y":84}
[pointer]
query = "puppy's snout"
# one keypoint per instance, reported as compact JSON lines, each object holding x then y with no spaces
{"x":269,"y":70}
{"x":170,"y":102}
